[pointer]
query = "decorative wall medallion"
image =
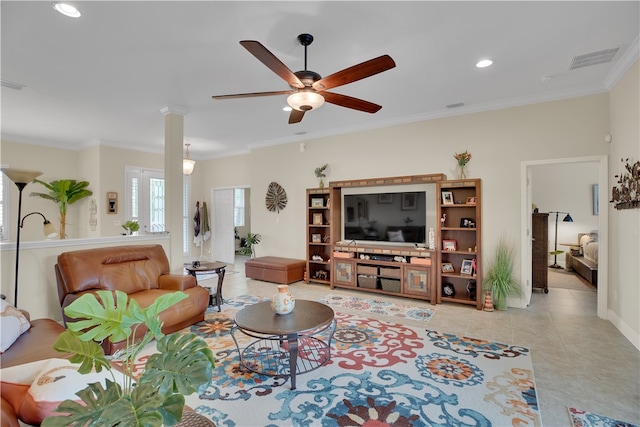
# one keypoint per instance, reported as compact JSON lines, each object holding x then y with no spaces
{"x":276,"y":197}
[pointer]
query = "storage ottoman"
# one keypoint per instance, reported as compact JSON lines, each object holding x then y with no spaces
{"x":275,"y":269}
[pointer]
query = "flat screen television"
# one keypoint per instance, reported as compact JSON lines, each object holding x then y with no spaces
{"x":393,"y":215}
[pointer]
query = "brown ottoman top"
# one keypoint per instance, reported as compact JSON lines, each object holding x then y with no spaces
{"x":276,"y":263}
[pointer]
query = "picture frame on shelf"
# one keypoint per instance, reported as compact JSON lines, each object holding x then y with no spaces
{"x":466,"y":269}
{"x":317,"y":202}
{"x":385,"y":198}
{"x":409,"y":201}
{"x":317,"y":219}
{"x":316,"y":238}
{"x":471,"y":200}
{"x":447,"y":267}
{"x":467,"y":223}
{"x":447,"y":198}
{"x":449,"y":245}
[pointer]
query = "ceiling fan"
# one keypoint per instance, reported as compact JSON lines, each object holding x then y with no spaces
{"x":308,"y":88}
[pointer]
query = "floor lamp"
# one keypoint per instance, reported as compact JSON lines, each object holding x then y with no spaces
{"x":21,"y":178}
{"x":555,"y":244}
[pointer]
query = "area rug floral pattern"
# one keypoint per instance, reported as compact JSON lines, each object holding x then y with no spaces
{"x":368,"y":305}
{"x":381,"y":373}
{"x":580,"y":418}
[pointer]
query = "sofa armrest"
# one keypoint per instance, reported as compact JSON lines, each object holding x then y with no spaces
{"x":176,"y":282}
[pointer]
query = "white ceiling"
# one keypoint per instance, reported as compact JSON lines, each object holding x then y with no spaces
{"x":104,"y":77}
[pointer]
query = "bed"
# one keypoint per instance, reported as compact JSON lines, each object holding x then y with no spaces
{"x":585,"y":261}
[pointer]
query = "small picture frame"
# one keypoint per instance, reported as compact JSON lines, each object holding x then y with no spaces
{"x":467,"y":223}
{"x":317,"y":219}
{"x":449,"y":245}
{"x":112,"y":202}
{"x":447,"y":198}
{"x":317,"y":202}
{"x":447,"y":267}
{"x":409,"y":201}
{"x":385,"y":198}
{"x":471,"y":200}
{"x":467,"y":267}
{"x":316,"y":238}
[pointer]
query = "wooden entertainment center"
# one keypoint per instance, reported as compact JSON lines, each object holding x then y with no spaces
{"x":412,"y":271}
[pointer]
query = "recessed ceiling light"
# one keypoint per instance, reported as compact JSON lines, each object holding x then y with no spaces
{"x":484,"y":63}
{"x":66,"y":9}
{"x":286,"y":108}
{"x":546,"y":79}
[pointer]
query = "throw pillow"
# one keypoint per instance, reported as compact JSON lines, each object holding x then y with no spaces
{"x":395,"y":236}
{"x":58,"y":380}
{"x":12,"y":325}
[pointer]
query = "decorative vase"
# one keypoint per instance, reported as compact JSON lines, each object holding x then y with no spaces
{"x":461,"y":172}
{"x":432,"y":238}
{"x":321,"y":183}
{"x":283,"y":302}
{"x":488,"y":301}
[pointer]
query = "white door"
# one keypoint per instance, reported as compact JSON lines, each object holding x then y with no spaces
{"x":222,"y":236}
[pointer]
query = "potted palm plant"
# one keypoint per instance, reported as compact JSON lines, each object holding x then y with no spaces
{"x":64,"y":192}
{"x":183,"y":363}
{"x":500,"y":279}
{"x":249,"y":242}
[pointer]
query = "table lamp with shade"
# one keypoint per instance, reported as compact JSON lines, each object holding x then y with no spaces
{"x":21,"y":178}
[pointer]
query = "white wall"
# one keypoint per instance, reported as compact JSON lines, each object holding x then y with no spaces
{"x":624,"y":225}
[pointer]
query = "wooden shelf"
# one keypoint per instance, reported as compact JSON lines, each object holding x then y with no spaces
{"x":466,"y":238}
{"x":318,"y":271}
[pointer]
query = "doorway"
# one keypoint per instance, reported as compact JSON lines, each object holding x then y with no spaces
{"x":223,"y":220}
{"x":557,"y":168}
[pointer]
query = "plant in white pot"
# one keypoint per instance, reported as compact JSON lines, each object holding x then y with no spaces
{"x":182,"y":365}
{"x":131,"y":227}
{"x":500,"y":279}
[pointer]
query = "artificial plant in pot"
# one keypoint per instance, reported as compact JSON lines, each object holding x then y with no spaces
{"x":131,"y":226}
{"x":182,"y":365}
{"x":64,"y":192}
{"x":500,"y":279}
{"x":249,"y":242}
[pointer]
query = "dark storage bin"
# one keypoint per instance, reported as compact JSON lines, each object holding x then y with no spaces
{"x":390,"y":285}
{"x":370,"y":282}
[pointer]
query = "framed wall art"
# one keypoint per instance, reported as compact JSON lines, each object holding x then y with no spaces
{"x":112,"y":202}
{"x":317,"y":219}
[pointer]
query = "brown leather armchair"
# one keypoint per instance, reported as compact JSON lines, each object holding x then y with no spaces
{"x":142,"y":271}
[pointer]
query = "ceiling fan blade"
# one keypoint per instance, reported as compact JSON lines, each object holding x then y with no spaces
{"x":350,"y":102}
{"x":274,"y":64}
{"x":250,"y":95}
{"x":295,"y":116}
{"x":355,"y":73}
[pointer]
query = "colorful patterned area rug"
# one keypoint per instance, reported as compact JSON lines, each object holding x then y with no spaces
{"x":381,"y":373}
{"x":580,"y":418}
{"x":368,"y":305}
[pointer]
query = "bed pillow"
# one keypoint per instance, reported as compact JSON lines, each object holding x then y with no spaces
{"x":12,"y":324}
{"x":585,"y":239}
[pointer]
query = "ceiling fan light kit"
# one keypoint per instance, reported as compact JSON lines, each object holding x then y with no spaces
{"x":308,"y":89}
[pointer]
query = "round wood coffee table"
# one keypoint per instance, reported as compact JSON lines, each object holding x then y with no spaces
{"x":287,"y":344}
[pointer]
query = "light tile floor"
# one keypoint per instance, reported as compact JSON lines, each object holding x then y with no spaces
{"x":579,"y":360}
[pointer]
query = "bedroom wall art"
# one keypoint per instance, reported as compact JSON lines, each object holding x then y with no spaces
{"x":626,"y":195}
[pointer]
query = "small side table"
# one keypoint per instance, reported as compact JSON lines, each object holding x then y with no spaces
{"x":210,"y":267}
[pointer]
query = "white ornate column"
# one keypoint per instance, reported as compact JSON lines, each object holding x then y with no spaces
{"x":173,"y":146}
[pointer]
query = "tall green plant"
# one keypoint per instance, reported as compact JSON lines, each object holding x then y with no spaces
{"x":500,"y":279}
{"x":182,"y":365}
{"x":64,"y":192}
{"x":249,"y":243}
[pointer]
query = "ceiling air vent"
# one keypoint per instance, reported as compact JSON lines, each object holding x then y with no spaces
{"x":593,"y":58}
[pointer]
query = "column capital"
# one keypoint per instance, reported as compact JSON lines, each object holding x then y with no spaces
{"x":174,"y":109}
